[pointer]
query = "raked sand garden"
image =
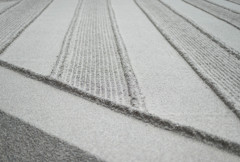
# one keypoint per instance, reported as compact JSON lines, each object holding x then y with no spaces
{"x":120,"y":80}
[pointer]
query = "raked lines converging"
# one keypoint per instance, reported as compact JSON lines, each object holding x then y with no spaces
{"x":213,"y":63}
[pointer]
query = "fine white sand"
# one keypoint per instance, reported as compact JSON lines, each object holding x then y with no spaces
{"x":102,"y":132}
{"x":172,"y":89}
{"x":217,"y":28}
{"x":39,"y":45}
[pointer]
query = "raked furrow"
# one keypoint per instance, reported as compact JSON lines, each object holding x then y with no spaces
{"x":234,"y":1}
{"x":225,"y":5}
{"x":17,"y":18}
{"x":213,"y":63}
{"x":5,"y":5}
{"x":221,"y":13}
{"x":93,"y":57}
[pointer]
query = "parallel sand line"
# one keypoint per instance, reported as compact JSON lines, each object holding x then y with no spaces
{"x":134,"y":89}
{"x":222,"y":6}
{"x":8,"y":7}
{"x":140,"y":115}
{"x":22,"y":142}
{"x":213,"y":63}
{"x":225,"y":15}
{"x":222,"y":44}
{"x":93,"y":57}
{"x":234,"y":1}
{"x":18,"y":18}
{"x":227,"y":5}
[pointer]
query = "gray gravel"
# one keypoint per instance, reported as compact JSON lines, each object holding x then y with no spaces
{"x":20,"y":141}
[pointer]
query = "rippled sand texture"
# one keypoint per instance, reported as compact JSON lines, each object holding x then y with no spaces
{"x":92,"y":57}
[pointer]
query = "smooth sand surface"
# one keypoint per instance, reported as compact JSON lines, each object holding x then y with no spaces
{"x":216,"y":27}
{"x":39,"y":45}
{"x":93,"y":128}
{"x":172,"y":89}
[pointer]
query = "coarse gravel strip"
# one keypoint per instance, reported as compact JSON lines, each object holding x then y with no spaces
{"x":6,"y":5}
{"x":219,"y":12}
{"x":19,"y":141}
{"x":214,"y":64}
{"x":15,"y":20}
{"x":93,"y":57}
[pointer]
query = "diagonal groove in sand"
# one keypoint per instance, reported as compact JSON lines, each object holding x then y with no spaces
{"x":234,"y":1}
{"x":222,"y":6}
{"x":2,"y":10}
{"x":143,"y":116}
{"x":213,"y":63}
{"x":223,"y":14}
{"x":17,"y":19}
{"x":93,"y":34}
